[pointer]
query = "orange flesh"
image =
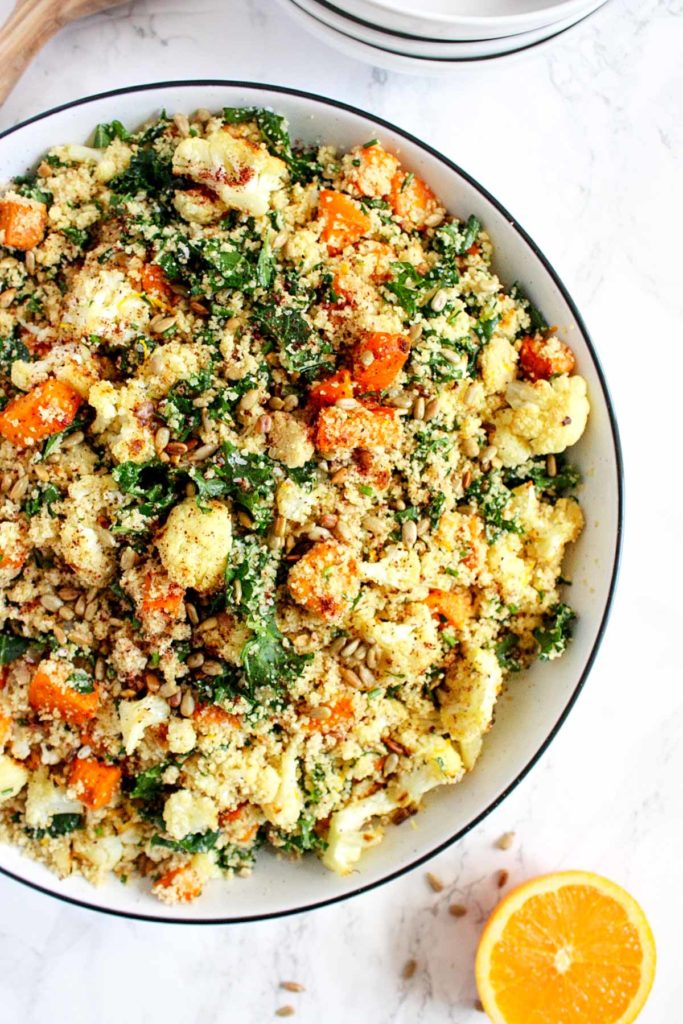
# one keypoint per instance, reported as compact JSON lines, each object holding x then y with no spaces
{"x":46,"y":409}
{"x":24,"y":223}
{"x":390,"y":353}
{"x":48,"y":696}
{"x":95,"y":782}
{"x":343,"y":221}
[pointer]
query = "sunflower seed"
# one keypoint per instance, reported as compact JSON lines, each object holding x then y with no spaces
{"x":195,"y":660}
{"x":202,"y":115}
{"x":51,"y":602}
{"x":470,"y":448}
{"x":503,"y":877}
{"x":90,"y":611}
{"x":374,"y":524}
{"x":175,"y":700}
{"x":212,"y":668}
{"x":457,"y":910}
{"x":128,"y":559}
{"x":182,"y":123}
{"x":292,"y":986}
{"x":100,"y":669}
{"x":419,"y":406}
{"x":280,"y":526}
{"x":318,"y":533}
{"x":350,"y":677}
{"x":328,"y":521}
{"x":350,"y":648}
{"x":390,"y":764}
{"x":360,"y":652}
{"x":435,"y":882}
{"x":431,"y":409}
{"x":551,"y":465}
{"x":415,"y":332}
{"x":159,"y":325}
{"x":285,"y":1011}
{"x":161,"y":439}
{"x":275,"y":404}
{"x":366,"y":676}
{"x":403,"y":401}
{"x":66,"y":613}
{"x":488,"y":454}
{"x":505,"y":841}
{"x":291,"y":402}
{"x":409,"y":532}
{"x":80,"y":606}
{"x":372,"y":657}
{"x":30,"y":261}
{"x":337,"y":645}
{"x":367,"y":358}
{"x":68,"y":593}
{"x":209,"y":623}
{"x":73,"y":439}
{"x":265,"y":423}
{"x":7,"y":297}
{"x":187,"y":705}
{"x":439,"y":301}
{"x":346,"y":403}
{"x":169,"y":689}
{"x":320,"y":713}
{"x":339,"y":477}
{"x":191,"y":613}
{"x":19,"y":489}
{"x":204,"y":452}
{"x":423,"y":527}
{"x":450,"y":356}
{"x":84,"y":752}
{"x":409,"y":969}
{"x":60,"y":636}
{"x":6,"y":483}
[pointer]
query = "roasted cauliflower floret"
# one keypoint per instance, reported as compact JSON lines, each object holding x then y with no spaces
{"x":469,"y":696}
{"x":543,"y":417}
{"x":103,"y":302}
{"x":242,"y":174}
{"x":84,"y":543}
{"x":186,"y":813}
{"x":289,"y":441}
{"x":195,"y":543}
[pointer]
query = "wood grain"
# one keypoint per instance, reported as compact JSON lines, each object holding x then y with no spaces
{"x":30,"y":25}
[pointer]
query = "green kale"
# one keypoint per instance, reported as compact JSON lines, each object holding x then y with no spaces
{"x":492,"y":497}
{"x":267,"y":661}
{"x":61,"y":825}
{"x":81,"y":681}
{"x":107,"y":132}
{"x":12,"y":647}
{"x":42,"y":496}
{"x":252,"y":564}
{"x":54,"y":440}
{"x":507,"y":653}
{"x":79,"y":236}
{"x":538,"y":321}
{"x":304,"y":838}
{"x":11,"y":349}
{"x":265,"y":265}
{"x":566,"y":479}
{"x":148,"y":784}
{"x":197,"y":842}
{"x":302,"y":163}
{"x":154,"y":485}
{"x":302,"y":351}
{"x":149,"y":174}
{"x":249,"y":481}
{"x":413,"y":289}
{"x":455,"y":238}
{"x":29,"y":186}
{"x":556,"y":632}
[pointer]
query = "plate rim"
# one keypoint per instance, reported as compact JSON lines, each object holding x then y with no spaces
{"x":618,"y":546}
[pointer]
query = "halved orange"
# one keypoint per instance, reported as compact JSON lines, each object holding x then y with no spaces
{"x":566,"y":948}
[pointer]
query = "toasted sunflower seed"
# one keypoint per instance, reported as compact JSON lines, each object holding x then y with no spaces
{"x":212,"y":668}
{"x":505,"y":841}
{"x":191,"y":613}
{"x":350,"y":677}
{"x":551,"y":465}
{"x":73,"y":439}
{"x":203,"y":452}
{"x":292,"y":986}
{"x":51,"y":602}
{"x":431,"y":409}
{"x":409,"y":532}
{"x":439,"y":301}
{"x":450,"y":356}
{"x":187,"y":705}
{"x":320,"y":713}
{"x":374,"y":524}
{"x":346,"y":403}
{"x":160,"y":324}
{"x":182,"y":123}
{"x":435,"y":882}
{"x":457,"y":910}
{"x":409,"y":969}
{"x":128,"y":558}
{"x":390,"y":764}
{"x":19,"y":489}
{"x":350,"y":648}
{"x":415,"y":332}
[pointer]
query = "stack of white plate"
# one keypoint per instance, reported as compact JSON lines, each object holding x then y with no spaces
{"x":437,"y":36}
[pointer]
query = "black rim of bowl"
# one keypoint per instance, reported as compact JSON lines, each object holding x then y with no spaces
{"x":425,"y":857}
{"x":449,"y":60}
{"x":411,"y":35}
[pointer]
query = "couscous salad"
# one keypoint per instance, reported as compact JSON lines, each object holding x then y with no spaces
{"x":282,"y":499}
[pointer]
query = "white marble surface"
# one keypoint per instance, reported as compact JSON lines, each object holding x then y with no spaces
{"x":583,"y":142}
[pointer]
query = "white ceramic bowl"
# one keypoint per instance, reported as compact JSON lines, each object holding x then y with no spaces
{"x":535,"y":705}
{"x":392,"y":60}
{"x":468,"y":19}
{"x":443,"y":51}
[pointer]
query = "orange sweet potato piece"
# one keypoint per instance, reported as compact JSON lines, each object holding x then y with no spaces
{"x":412,"y":201}
{"x":182,"y":883}
{"x":48,"y":696}
{"x":340,"y":718}
{"x":453,"y":606}
{"x":325,"y":580}
{"x":212,"y":715}
{"x":389,"y":354}
{"x":330,"y":390}
{"x":543,"y":358}
{"x":343,"y":221}
{"x":5,"y":729}
{"x":375,"y":170}
{"x":95,"y":783}
{"x":46,"y":409}
{"x":155,"y":282}
{"x":23,"y":222}
{"x":161,"y":595}
{"x":341,"y":430}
